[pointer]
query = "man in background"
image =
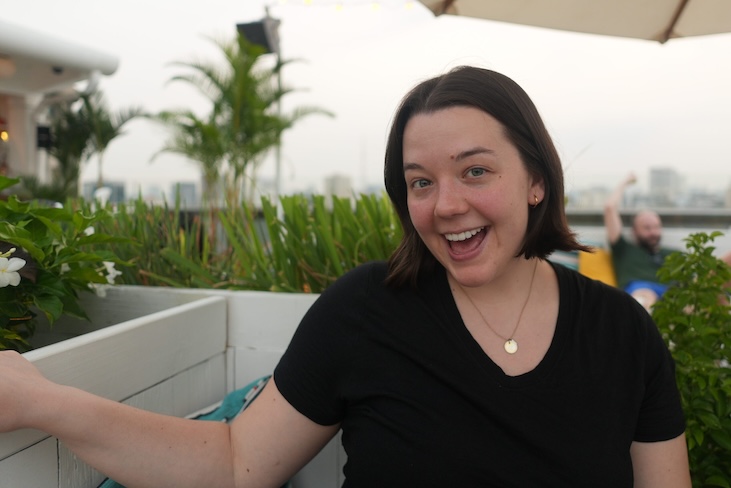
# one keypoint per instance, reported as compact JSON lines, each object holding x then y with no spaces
{"x":636,"y":263}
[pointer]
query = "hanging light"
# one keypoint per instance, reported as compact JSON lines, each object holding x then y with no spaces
{"x":7,"y":67}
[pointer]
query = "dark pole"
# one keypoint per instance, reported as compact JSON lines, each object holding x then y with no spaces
{"x":266,"y":34}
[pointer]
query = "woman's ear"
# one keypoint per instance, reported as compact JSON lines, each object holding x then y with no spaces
{"x":537,"y":193}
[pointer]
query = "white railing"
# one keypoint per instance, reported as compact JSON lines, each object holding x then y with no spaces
{"x":172,"y":351}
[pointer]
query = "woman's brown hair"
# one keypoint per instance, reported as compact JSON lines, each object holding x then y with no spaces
{"x":507,"y":102}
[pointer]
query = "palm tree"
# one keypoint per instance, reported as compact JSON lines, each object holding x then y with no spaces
{"x":199,"y":140}
{"x":69,"y":147}
{"x":245,"y":108}
{"x":105,"y":126}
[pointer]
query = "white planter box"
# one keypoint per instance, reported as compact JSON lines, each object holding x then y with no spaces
{"x":166,"y":354}
{"x":169,"y":350}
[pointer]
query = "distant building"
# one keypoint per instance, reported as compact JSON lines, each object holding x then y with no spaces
{"x":374,"y":189}
{"x":665,"y":187}
{"x":188,"y":194}
{"x":588,"y":198}
{"x":338,"y":186}
{"x":117,"y":194}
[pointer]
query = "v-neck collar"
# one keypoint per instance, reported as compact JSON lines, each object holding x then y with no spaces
{"x":486,"y":364}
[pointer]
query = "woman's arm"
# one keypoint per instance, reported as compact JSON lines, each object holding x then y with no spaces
{"x":661,"y":464}
{"x":263,"y":447}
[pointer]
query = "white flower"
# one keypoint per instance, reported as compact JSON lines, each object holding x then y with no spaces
{"x":100,"y":290}
{"x":112,"y":273}
{"x":9,"y":271}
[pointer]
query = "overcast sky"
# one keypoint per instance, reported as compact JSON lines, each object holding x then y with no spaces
{"x":612,"y":105}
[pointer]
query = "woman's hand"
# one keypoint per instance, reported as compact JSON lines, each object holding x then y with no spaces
{"x":20,"y":387}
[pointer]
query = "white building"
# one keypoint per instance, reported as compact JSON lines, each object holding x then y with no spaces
{"x":665,"y":187}
{"x":35,"y":70}
{"x":338,"y":186}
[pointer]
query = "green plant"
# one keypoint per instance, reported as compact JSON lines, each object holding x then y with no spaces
{"x":246,"y":119}
{"x":695,"y":320}
{"x":48,"y":255}
{"x":303,"y":246}
{"x":310,"y":246}
{"x":103,"y":125}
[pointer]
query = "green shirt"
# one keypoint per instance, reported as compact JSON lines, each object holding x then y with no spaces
{"x":633,"y":263}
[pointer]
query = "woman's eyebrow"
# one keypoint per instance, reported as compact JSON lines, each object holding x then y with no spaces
{"x":471,"y":152}
{"x":412,"y":166}
{"x":459,"y":157}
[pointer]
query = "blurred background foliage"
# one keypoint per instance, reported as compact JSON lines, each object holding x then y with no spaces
{"x":301,"y":245}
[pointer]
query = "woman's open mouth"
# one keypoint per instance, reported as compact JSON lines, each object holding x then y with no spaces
{"x":466,"y":241}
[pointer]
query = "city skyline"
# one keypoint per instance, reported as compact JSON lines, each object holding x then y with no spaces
{"x":612,"y":105}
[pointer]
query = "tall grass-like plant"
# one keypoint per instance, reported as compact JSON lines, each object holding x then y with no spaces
{"x":165,"y":246}
{"x":311,"y":245}
{"x":695,"y":319}
{"x":301,"y":247}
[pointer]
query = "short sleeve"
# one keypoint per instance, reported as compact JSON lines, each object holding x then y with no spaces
{"x":314,"y":368}
{"x":661,"y":416}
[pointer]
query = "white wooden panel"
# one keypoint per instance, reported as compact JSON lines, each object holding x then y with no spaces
{"x":14,"y":442}
{"x":265,"y":320}
{"x":188,"y":391}
{"x":41,"y":458}
{"x":250,"y":364}
{"x":257,"y":318}
{"x":121,"y":360}
{"x":191,"y":390}
{"x":325,"y":470}
{"x":74,"y":473}
{"x":120,"y":304}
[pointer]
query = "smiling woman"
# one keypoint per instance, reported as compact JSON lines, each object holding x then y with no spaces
{"x":416,"y":359}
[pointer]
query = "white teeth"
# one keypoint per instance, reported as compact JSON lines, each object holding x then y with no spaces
{"x":462,"y":235}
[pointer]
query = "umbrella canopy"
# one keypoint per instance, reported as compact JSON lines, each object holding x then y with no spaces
{"x":657,"y":20}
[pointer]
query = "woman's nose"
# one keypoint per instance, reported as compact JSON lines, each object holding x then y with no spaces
{"x":450,"y":202}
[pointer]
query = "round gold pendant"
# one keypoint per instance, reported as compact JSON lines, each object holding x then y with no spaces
{"x":511,"y":347}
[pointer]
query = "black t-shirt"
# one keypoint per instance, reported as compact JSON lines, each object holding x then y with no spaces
{"x":420,"y":404}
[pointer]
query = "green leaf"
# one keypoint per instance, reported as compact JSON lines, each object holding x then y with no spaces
{"x":50,"y":305}
{"x":722,"y":438}
{"x":717,"y":480}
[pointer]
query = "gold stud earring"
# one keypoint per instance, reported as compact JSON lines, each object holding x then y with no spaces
{"x":535,"y":198}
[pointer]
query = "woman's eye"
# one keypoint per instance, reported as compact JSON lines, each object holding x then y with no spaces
{"x":422,"y":183}
{"x":476,"y":171}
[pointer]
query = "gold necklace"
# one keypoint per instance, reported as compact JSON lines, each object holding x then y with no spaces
{"x":510,"y":346}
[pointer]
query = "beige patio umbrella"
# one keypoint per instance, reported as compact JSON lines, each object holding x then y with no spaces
{"x":657,"y":20}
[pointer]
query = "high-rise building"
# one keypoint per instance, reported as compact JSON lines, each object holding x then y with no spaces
{"x":188,"y":194}
{"x":338,"y":186}
{"x":115,"y":194}
{"x":665,"y":187}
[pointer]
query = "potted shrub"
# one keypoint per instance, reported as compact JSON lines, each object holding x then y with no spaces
{"x":695,"y":319}
{"x":49,"y":256}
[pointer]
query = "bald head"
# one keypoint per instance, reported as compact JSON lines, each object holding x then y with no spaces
{"x":647,"y":229}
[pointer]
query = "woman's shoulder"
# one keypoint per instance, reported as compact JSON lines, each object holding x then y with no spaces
{"x":605,"y":310}
{"x":571,"y":280}
{"x":596,"y":297}
{"x":367,"y":275}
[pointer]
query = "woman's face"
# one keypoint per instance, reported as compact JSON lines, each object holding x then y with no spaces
{"x":468,"y":192}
